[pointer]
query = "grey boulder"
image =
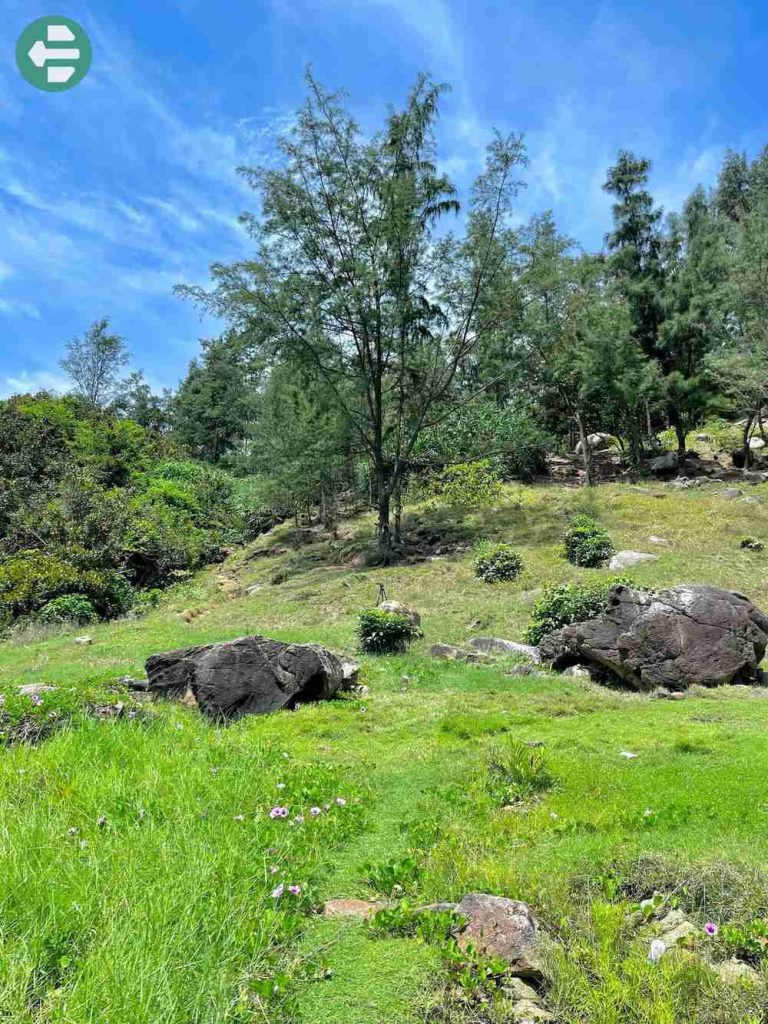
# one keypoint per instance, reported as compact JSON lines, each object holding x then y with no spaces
{"x":671,"y":639}
{"x":249,"y":676}
{"x":626,"y":559}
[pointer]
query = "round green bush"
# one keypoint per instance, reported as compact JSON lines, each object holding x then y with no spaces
{"x":385,"y":632}
{"x":587,"y":543}
{"x":68,"y":608}
{"x":496,"y":563}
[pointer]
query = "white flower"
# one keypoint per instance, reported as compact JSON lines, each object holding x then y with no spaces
{"x":627,"y":753}
{"x":657,"y":950}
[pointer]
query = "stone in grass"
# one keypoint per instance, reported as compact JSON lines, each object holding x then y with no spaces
{"x":504,"y":929}
{"x":249,"y":676}
{"x":627,"y":559}
{"x":360,"y":910}
{"x":397,"y":608}
{"x":673,"y":928}
{"x":577,"y":672}
{"x":35,"y":689}
{"x":527,"y":1004}
{"x":736,"y":972}
{"x":447,"y":652}
{"x":495,"y":645}
{"x":83,"y":641}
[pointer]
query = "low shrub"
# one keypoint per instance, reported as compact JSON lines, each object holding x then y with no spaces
{"x":68,"y":608}
{"x":30,"y":580}
{"x":468,"y":484}
{"x":587,"y":543}
{"x":517,"y":772}
{"x":385,"y":632}
{"x":568,"y":603}
{"x":496,"y":563}
{"x":752,"y":544}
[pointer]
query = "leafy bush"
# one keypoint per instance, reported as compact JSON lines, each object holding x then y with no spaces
{"x":385,"y":632}
{"x":495,"y":563}
{"x":516,"y":772}
{"x":587,"y":543}
{"x":468,"y":483}
{"x":31,"y":579}
{"x":752,"y":544}
{"x":68,"y":608}
{"x":394,"y":877}
{"x":568,"y":603}
{"x":746,"y":941}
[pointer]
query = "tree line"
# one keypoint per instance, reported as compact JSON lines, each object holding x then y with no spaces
{"x":374,"y":336}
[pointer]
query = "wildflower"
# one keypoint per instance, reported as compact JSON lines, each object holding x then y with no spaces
{"x":73,"y":831}
{"x":294,"y":890}
{"x":239,"y":817}
{"x":657,"y":951}
{"x":326,"y":807}
{"x":36,"y":699}
{"x":711,"y":928}
{"x":215,"y":771}
{"x":314,"y":811}
{"x":280,"y":785}
{"x":362,"y":711}
{"x":279,"y":812}
{"x":299,"y":819}
{"x":278,"y":891}
{"x":627,"y":753}
{"x":274,"y":869}
{"x":341,"y":801}
{"x":647,"y":813}
{"x":102,"y":821}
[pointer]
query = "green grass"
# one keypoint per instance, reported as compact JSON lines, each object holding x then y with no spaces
{"x":163,"y":913}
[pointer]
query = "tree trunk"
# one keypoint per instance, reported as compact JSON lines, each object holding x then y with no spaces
{"x":746,"y":451}
{"x":383,"y":529}
{"x":635,"y":448}
{"x":586,"y":452}
{"x":398,"y":514}
{"x":674,"y":419}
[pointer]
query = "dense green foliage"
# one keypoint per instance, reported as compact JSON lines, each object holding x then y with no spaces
{"x":94,"y":505}
{"x":496,"y":563}
{"x":568,"y":603}
{"x":381,"y":632}
{"x":587,"y":543}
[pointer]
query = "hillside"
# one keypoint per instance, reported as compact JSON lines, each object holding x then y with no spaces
{"x":137,"y":853}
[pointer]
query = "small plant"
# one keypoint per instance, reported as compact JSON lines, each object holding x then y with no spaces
{"x":752,"y":544}
{"x":393,"y":878}
{"x":587,"y":543}
{"x":495,"y":563}
{"x":385,"y":632}
{"x":468,"y":484}
{"x":566,"y":604}
{"x":74,"y":608}
{"x":746,"y":941}
{"x":517,"y":772}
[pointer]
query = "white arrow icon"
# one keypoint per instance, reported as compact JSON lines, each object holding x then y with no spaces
{"x":40,"y":54}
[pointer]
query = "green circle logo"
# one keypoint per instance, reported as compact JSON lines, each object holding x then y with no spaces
{"x":54,"y":53}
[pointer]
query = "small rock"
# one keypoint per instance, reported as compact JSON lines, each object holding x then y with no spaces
{"x":254,"y":589}
{"x":139,"y":685}
{"x":521,"y":670}
{"x":350,"y":671}
{"x":736,"y":972}
{"x":674,"y":928}
{"x":527,"y":1002}
{"x":360,"y":909}
{"x":731,"y":493}
{"x":664,"y":463}
{"x":756,"y":443}
{"x":577,"y":672}
{"x":83,"y":641}
{"x":397,"y":608}
{"x":35,"y":689}
{"x":495,"y":645}
{"x":503,"y":928}
{"x":447,"y":652}
{"x":661,"y":542}
{"x":626,"y":559}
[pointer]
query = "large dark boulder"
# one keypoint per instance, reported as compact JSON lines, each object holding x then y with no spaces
{"x":674,"y":638}
{"x":248,"y":676}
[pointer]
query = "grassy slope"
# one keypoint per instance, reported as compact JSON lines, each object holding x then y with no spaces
{"x":170,"y":911}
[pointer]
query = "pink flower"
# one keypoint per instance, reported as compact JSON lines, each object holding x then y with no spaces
{"x":279,"y":812}
{"x":341,"y":801}
{"x":278,"y":891}
{"x":273,"y":870}
{"x":711,"y":928}
{"x":294,"y":890}
{"x":314,"y":811}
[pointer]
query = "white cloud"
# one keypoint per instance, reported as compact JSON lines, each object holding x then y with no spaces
{"x":26,"y":382}
{"x":17,"y":307}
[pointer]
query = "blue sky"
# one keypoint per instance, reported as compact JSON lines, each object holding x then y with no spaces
{"x":116,"y":190}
